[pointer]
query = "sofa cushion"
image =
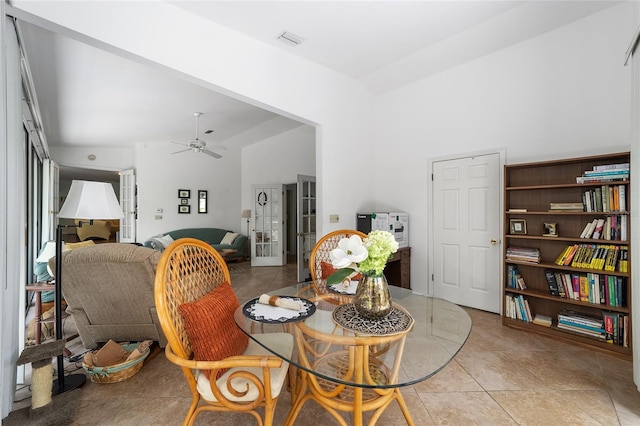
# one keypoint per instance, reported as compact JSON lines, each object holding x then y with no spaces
{"x":161,"y":242}
{"x":74,"y":246}
{"x":210,"y":326}
{"x":228,"y":238}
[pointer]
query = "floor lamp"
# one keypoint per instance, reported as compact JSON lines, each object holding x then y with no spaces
{"x":246,"y":214}
{"x":86,"y":201}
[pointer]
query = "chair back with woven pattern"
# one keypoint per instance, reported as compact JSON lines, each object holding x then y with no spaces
{"x":321,"y":251}
{"x":187,"y":270}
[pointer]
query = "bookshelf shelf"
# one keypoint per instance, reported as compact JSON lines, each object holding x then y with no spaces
{"x":535,"y":193}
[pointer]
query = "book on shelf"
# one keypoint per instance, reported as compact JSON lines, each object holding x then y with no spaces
{"x":577,"y":207}
{"x":523,"y":254}
{"x":598,"y":229}
{"x":582,"y":324}
{"x":517,"y":307}
{"x":590,"y":287}
{"x":616,"y":327}
{"x":513,"y":210}
{"x":618,"y":176}
{"x":606,"y":199}
{"x":589,"y":228}
{"x":611,"y":167}
{"x":551,"y":282}
{"x":543,"y":320}
{"x":611,"y":228}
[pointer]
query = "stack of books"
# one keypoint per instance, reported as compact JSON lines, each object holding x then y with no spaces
{"x":581,"y":324}
{"x":523,"y":254}
{"x":605,"y":173}
{"x":566,"y":207}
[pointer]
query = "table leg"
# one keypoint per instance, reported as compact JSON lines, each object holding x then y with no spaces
{"x":38,"y":317}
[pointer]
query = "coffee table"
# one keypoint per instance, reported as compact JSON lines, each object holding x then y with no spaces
{"x":226,"y":253}
{"x":351,"y":370}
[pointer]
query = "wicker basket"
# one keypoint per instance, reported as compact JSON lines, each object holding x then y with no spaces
{"x":117,"y":372}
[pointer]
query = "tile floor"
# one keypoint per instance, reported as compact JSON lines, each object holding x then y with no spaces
{"x":500,"y":377}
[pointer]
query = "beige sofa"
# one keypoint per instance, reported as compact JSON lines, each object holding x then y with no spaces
{"x":109,"y":292}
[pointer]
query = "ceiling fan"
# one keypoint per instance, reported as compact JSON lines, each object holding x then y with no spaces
{"x":197,"y":145}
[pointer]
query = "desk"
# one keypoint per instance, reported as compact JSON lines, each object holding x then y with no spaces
{"x":439,"y":331}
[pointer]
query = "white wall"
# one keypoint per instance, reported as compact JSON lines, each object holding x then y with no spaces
{"x":565,"y":93}
{"x":160,"y":174}
{"x":278,"y":160}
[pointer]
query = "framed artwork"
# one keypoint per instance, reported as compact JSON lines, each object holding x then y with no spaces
{"x":184,"y":209}
{"x":202,"y":201}
{"x":518,"y":226}
{"x":550,"y":229}
{"x":184,"y":193}
{"x":184,"y":201}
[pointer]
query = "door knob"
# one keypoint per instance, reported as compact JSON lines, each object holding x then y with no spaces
{"x":494,"y":242}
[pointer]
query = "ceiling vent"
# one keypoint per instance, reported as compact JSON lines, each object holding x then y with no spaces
{"x":290,"y":39}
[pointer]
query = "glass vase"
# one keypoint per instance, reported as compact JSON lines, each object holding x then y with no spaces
{"x":372,"y":299}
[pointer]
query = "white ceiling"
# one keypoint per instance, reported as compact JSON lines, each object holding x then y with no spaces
{"x":89,"y":97}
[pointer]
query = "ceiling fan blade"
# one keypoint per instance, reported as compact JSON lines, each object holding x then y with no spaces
{"x":182,"y":150}
{"x":211,"y":153}
{"x":179,"y":143}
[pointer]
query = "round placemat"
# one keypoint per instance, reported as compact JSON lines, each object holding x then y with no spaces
{"x":397,"y":321}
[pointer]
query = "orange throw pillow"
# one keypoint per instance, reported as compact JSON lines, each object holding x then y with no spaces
{"x":328,"y":269}
{"x":209,"y":324}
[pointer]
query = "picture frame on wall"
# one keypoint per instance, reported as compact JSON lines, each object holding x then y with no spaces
{"x":518,"y":226}
{"x":184,"y":201}
{"x":202,"y":201}
{"x":184,"y":209}
{"x":184,"y":193}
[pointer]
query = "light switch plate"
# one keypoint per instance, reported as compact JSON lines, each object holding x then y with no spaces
{"x":334,"y":218}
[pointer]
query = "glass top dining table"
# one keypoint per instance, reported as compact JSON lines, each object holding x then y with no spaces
{"x":410,"y":354}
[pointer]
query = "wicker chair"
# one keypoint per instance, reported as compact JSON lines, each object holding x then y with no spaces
{"x":188,"y":270}
{"x":321,"y":253}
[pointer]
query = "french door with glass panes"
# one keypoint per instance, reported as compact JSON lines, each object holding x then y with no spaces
{"x":306,"y":223}
{"x":267,"y":243}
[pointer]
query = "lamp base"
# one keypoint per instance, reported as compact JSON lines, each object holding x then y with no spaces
{"x":70,"y":382}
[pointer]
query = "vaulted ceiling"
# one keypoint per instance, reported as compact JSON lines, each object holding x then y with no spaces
{"x":90,"y":97}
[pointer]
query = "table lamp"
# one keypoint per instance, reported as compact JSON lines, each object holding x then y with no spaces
{"x":86,"y":200}
{"x":246,"y":214}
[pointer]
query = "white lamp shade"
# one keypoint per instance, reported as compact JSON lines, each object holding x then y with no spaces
{"x":246,"y":214}
{"x":91,"y":200}
{"x":48,"y":251}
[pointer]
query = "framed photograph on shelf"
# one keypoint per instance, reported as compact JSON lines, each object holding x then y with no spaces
{"x":182,"y":209}
{"x":184,"y":193}
{"x":518,"y":226}
{"x":550,"y":229}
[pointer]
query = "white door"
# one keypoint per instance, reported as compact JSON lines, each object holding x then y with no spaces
{"x":128,"y":205}
{"x":306,"y":223}
{"x":466,"y":231}
{"x":267,"y":244}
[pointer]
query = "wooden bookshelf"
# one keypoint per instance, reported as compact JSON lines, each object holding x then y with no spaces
{"x":531,"y":188}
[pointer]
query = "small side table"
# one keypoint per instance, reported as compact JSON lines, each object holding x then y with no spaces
{"x":38,"y":288}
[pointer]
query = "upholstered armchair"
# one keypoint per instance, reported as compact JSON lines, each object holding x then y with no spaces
{"x":109,"y":292}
